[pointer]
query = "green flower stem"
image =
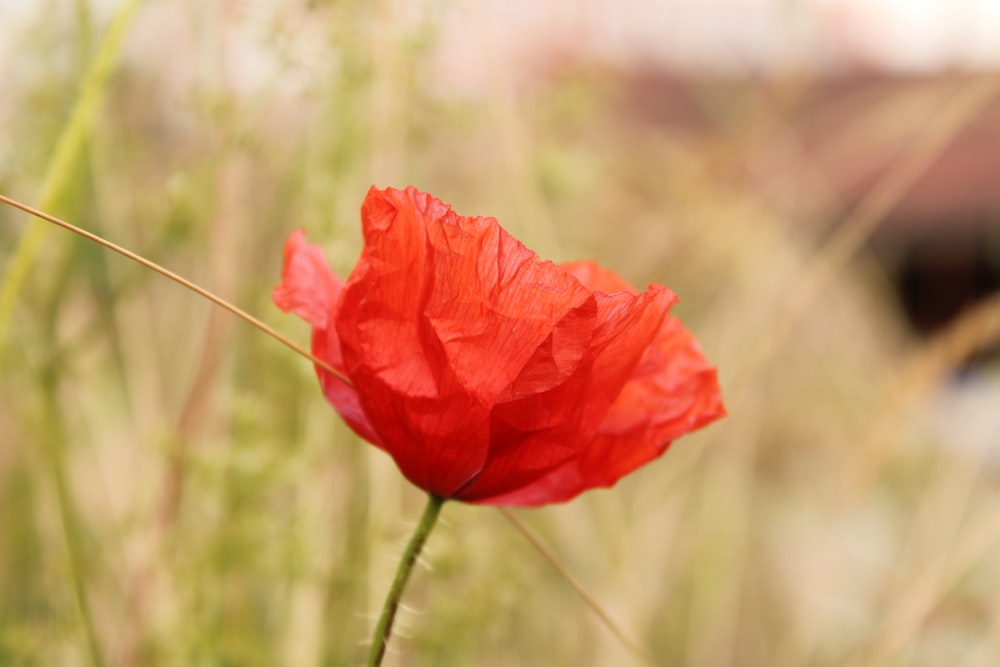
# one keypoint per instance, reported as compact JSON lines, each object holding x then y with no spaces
{"x":384,"y":628}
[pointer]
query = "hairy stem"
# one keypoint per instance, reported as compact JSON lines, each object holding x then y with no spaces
{"x":384,"y":628}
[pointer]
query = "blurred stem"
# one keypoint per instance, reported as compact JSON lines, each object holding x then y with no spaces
{"x":384,"y":628}
{"x":578,"y":586}
{"x":61,"y":167}
{"x":69,"y":522}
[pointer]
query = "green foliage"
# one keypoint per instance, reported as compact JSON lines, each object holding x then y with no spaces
{"x":175,"y":491}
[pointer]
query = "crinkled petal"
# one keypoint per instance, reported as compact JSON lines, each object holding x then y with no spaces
{"x":673,"y":391}
{"x":489,"y":375}
{"x":343,"y":397}
{"x":311,"y":290}
{"x":596,"y":278}
{"x":440,"y":315}
{"x":534,"y":432}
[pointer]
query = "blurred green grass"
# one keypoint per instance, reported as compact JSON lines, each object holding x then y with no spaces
{"x":175,"y":491}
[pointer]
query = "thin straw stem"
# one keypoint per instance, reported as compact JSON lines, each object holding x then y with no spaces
{"x":578,"y":586}
{"x":219,"y":301}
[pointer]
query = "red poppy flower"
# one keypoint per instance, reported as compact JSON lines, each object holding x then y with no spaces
{"x":490,"y":375}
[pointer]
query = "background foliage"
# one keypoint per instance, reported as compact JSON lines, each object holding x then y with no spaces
{"x":174,"y":490}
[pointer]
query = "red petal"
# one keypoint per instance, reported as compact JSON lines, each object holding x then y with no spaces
{"x":308,"y":287}
{"x":492,"y":376}
{"x":312,"y":291}
{"x":440,"y":315}
{"x":597,"y":278}
{"x":326,"y":346}
{"x":535,"y":433}
{"x":673,"y":391}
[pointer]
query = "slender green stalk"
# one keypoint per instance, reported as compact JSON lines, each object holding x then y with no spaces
{"x":68,"y":149}
{"x":384,"y":628}
{"x":69,"y":521}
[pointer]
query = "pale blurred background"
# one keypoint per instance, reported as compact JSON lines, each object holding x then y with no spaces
{"x":819,"y":182}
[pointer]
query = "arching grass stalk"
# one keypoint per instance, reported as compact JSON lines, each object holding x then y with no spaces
{"x":200,"y":291}
{"x":383,"y":630}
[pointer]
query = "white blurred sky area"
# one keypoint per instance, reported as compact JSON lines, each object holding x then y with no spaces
{"x":733,"y":35}
{"x":894,"y":35}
